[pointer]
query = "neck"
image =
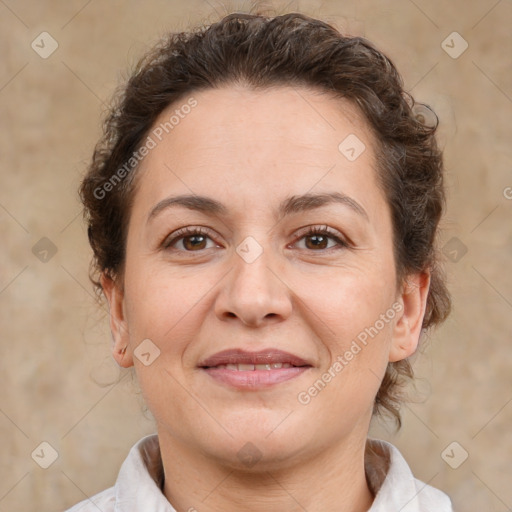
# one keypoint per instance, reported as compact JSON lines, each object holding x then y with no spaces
{"x":330,"y":481}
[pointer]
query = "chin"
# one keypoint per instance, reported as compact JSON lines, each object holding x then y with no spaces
{"x":259,"y":456}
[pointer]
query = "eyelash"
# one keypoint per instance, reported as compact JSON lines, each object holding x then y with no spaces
{"x":311,"y":231}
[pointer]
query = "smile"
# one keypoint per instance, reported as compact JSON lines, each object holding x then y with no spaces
{"x":250,"y":377}
{"x":252,"y":367}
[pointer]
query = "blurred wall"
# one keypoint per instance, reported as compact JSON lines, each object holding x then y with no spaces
{"x":55,"y":361}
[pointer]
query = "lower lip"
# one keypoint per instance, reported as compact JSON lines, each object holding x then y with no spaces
{"x":255,"y":379}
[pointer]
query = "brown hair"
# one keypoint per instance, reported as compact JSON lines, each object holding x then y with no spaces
{"x":262,"y":52}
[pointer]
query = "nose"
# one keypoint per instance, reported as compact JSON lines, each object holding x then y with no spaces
{"x":254,"y":292}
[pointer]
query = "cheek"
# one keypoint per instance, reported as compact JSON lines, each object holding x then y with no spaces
{"x":354,"y":319}
{"x":168,"y":305}
{"x":166,"y":310}
{"x":346,"y":303}
{"x":165,"y":305}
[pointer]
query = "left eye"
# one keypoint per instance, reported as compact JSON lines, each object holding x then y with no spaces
{"x":195,"y":239}
{"x":319,"y":239}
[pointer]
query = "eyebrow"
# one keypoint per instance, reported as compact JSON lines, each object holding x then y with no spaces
{"x":289,"y":206}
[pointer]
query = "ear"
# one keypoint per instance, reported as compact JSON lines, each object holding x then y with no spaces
{"x":413,"y":299}
{"x":121,"y":350}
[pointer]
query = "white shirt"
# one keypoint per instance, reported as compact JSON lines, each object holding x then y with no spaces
{"x":138,"y":485}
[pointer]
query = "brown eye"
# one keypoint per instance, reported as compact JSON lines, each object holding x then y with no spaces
{"x":194,"y":242}
{"x":191,"y":240}
{"x":317,"y":239}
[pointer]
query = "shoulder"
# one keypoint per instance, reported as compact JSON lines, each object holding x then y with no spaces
{"x":138,"y":484}
{"x":394,"y":484}
{"x":104,"y":501}
{"x":430,"y":498}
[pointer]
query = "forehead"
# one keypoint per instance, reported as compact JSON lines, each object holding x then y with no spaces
{"x":236,"y":141}
{"x":286,"y":113}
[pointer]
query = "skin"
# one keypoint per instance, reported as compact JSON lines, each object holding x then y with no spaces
{"x":251,"y":150}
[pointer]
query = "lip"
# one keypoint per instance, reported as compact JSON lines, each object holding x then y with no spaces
{"x":239,"y":356}
{"x":253,"y":379}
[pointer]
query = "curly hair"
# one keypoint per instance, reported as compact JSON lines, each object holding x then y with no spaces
{"x":262,"y":52}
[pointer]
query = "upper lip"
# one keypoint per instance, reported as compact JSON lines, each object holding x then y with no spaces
{"x":239,"y":356}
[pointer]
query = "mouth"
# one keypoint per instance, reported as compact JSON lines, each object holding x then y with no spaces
{"x":241,"y":367}
{"x":267,"y":359}
{"x":253,"y":370}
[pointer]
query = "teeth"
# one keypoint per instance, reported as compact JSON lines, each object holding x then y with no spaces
{"x":249,"y":367}
{"x":262,"y":367}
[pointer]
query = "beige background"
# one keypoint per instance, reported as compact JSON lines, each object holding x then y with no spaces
{"x":54,"y":338}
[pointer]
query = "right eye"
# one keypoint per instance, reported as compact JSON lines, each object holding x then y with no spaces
{"x":193,"y":239}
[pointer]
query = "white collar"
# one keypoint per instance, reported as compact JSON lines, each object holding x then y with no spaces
{"x":389,"y":477}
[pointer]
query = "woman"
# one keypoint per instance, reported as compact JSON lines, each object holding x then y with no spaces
{"x":263,"y":209}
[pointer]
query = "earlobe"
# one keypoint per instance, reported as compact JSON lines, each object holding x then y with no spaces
{"x":115,"y":298}
{"x":408,"y":326}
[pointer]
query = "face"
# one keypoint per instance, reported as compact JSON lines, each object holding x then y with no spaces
{"x":285,"y":245}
